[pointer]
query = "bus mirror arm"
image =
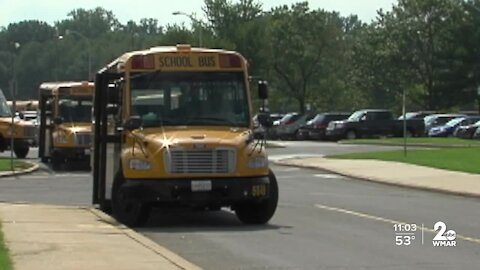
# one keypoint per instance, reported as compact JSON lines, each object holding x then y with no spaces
{"x":264,"y":119}
{"x":133,"y":122}
{"x":112,"y":109}
{"x":58,"y":120}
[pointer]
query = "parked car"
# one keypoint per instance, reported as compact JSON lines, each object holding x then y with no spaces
{"x":467,"y":131}
{"x":449,"y":128}
{"x":416,"y":115}
{"x":369,"y":123}
{"x":476,"y":134}
{"x":315,"y":128}
{"x":32,"y":117}
{"x":435,"y":120}
{"x":288,"y":126}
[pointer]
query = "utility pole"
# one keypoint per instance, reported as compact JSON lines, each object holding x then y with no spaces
{"x":194,"y":20}
{"x":13,"y":92}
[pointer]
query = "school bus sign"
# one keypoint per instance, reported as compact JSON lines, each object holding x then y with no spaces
{"x":186,"y":62}
{"x":195,"y":61}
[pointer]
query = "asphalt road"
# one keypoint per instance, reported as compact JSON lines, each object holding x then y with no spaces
{"x":46,"y":186}
{"x":324,"y":221}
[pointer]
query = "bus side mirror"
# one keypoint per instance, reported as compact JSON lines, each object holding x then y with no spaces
{"x":113,"y":94}
{"x":112,"y":109}
{"x":262,"y":90}
{"x":264,"y":119}
{"x":58,"y":120}
{"x":48,"y":106}
{"x":133,"y":122}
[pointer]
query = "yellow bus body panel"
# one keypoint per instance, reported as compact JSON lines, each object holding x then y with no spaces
{"x":64,"y":135}
{"x":154,"y":144}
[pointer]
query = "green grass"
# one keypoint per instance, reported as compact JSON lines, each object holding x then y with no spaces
{"x":5,"y":165}
{"x":455,"y":159}
{"x":5,"y":261}
{"x":418,"y":141}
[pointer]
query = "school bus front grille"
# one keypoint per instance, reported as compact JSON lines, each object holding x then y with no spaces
{"x":30,"y":131}
{"x":211,"y":161}
{"x":83,"y":138}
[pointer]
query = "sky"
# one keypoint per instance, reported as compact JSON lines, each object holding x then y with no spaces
{"x":50,"y":11}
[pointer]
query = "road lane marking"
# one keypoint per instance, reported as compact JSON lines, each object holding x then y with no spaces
{"x":329,"y":176}
{"x":292,"y":156}
{"x":43,"y":176}
{"x":387,"y":220}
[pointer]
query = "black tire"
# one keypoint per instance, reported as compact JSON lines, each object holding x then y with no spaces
{"x":57,"y":161}
{"x":350,"y":135}
{"x":128,"y":211}
{"x":106,"y":206}
{"x":297,"y":137}
{"x":21,"y":151}
{"x":259,"y":212}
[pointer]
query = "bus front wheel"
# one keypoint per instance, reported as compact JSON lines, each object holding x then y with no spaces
{"x":128,"y":211}
{"x":259,"y":212}
{"x":21,"y":151}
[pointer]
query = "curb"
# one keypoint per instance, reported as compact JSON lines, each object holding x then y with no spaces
{"x":274,"y":145}
{"x":146,"y":242}
{"x":283,"y":162}
{"x":33,"y":167}
{"x":415,"y":145}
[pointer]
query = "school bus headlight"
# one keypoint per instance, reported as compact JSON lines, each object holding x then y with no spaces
{"x":139,"y":164}
{"x":258,"y":162}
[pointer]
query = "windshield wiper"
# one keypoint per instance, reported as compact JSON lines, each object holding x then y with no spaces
{"x":158,"y":123}
{"x":211,"y":119}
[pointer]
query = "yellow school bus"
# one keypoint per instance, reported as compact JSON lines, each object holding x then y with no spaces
{"x":22,"y":132}
{"x":24,"y":105}
{"x":173,"y":128}
{"x":65,"y":131}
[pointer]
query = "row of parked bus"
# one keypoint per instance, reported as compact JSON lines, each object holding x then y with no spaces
{"x":370,"y":123}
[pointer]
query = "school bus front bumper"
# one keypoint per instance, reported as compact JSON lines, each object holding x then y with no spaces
{"x":217,"y":191}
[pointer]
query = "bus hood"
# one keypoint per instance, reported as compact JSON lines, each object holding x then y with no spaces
{"x":16,"y":121}
{"x":77,"y":127}
{"x":193,"y":135}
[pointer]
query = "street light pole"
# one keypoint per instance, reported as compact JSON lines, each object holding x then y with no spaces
{"x":478,"y":98}
{"x":192,"y":18}
{"x":13,"y":89}
{"x":89,"y":48}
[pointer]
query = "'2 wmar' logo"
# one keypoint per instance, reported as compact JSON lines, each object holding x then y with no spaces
{"x":444,"y":238}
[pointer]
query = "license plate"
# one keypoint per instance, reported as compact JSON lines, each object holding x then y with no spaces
{"x":203,"y":185}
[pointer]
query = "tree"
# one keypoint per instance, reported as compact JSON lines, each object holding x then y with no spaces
{"x":301,"y":41}
{"x":417,"y":39}
{"x":91,"y":23}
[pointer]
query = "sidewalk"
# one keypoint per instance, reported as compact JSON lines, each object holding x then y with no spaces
{"x":61,"y":237}
{"x":395,"y":173}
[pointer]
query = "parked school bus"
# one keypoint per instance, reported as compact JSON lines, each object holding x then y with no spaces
{"x":65,"y":132}
{"x":24,"y":105}
{"x":173,"y":128}
{"x":23,"y":132}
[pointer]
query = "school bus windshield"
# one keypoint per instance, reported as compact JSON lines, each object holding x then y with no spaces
{"x":190,"y":98}
{"x":4,"y":108}
{"x":75,"y":109}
